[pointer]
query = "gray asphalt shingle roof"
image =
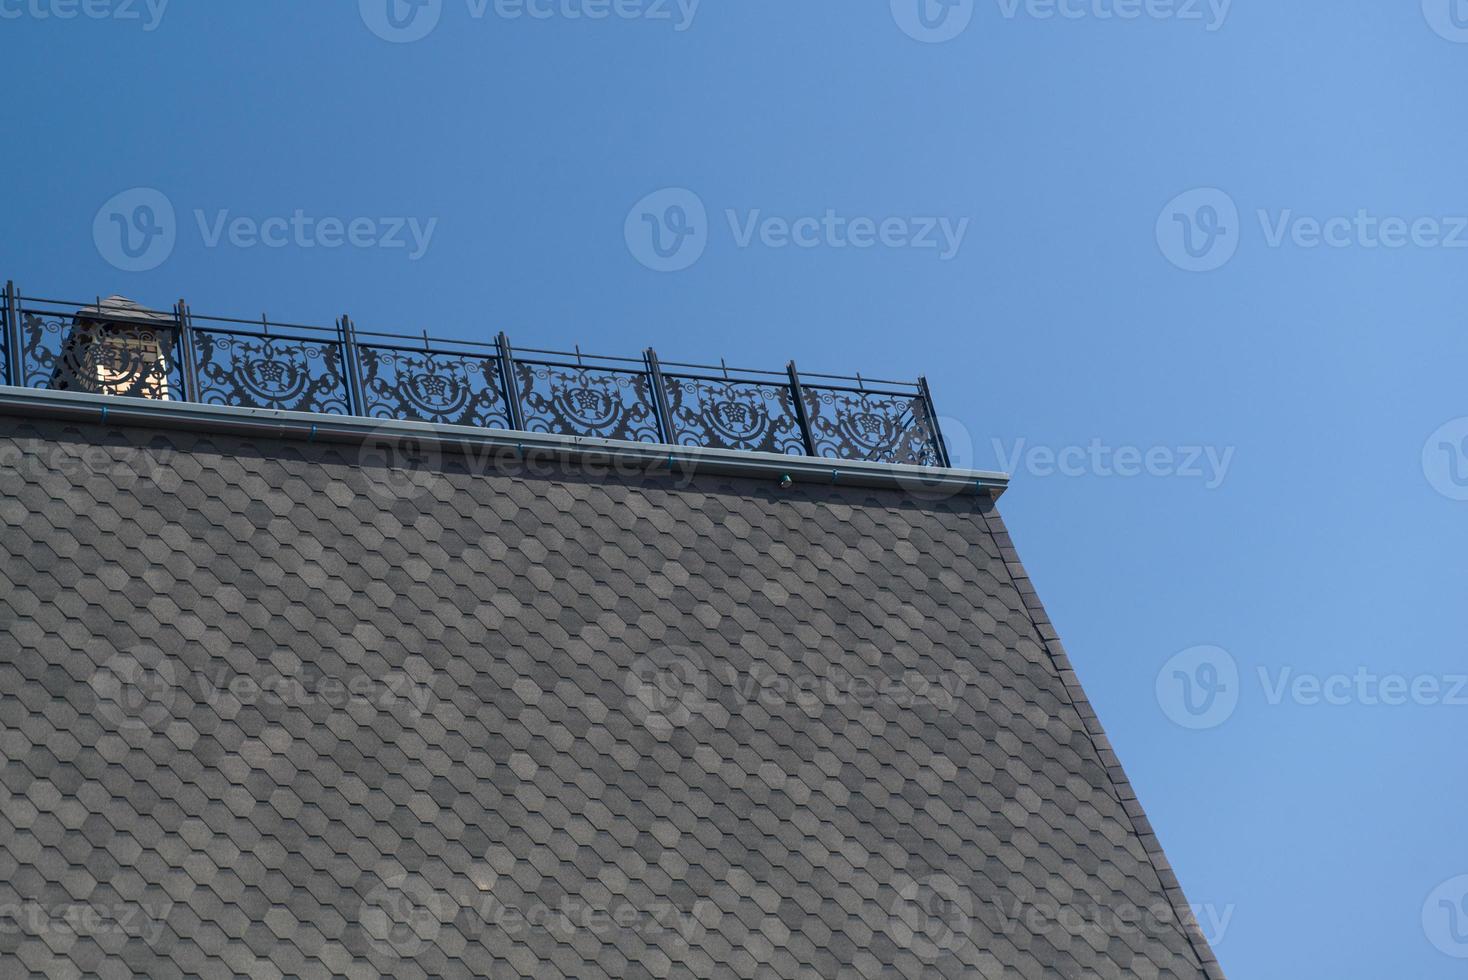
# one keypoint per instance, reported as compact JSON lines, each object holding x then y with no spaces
{"x":261,"y":715}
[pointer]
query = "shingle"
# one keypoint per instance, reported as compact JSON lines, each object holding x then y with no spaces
{"x":768,"y":727}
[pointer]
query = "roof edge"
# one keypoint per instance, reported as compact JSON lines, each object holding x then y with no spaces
{"x":1126,"y":794}
{"x":353,"y":430}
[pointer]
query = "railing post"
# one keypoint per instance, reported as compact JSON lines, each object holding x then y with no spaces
{"x":940,"y":445}
{"x":797,"y":392}
{"x":352,"y":365}
{"x":14,"y":352}
{"x":186,"y":369}
{"x":507,"y":375}
{"x":660,"y":397}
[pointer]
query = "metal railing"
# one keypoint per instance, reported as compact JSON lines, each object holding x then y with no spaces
{"x":118,"y":348}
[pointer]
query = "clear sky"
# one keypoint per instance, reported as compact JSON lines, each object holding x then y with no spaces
{"x":1076,"y":258}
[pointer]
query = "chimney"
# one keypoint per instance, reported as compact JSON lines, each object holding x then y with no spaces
{"x":117,"y":348}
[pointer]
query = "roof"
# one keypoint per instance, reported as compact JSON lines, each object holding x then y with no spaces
{"x":120,"y":309}
{"x":268,"y":708}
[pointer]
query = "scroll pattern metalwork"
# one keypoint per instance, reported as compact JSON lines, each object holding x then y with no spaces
{"x":427,"y":386}
{"x":117,"y":347}
{"x":884,"y":428}
{"x":67,"y":354}
{"x":285,"y":373}
{"x":740,"y":415}
{"x":582,"y":401}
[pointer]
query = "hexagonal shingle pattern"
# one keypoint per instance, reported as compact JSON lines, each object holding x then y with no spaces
{"x":262,"y":717}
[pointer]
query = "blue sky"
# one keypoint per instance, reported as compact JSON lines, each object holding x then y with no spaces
{"x":1194,"y":270}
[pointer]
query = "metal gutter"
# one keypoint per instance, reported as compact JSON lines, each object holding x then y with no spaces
{"x":923,"y":481}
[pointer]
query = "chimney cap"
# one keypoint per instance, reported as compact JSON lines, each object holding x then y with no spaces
{"x":120,"y":309}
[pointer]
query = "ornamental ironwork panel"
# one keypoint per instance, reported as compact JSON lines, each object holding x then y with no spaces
{"x":74,"y":353}
{"x":743,"y":415}
{"x":584,"y":401}
{"x":290,"y":374}
{"x":430,"y":386}
{"x":879,"y":426}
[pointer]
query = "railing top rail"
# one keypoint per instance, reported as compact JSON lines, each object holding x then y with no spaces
{"x":258,"y":323}
{"x":576,"y":355}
